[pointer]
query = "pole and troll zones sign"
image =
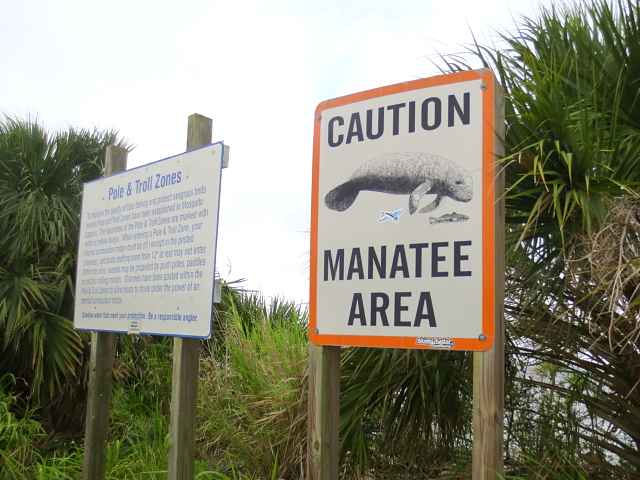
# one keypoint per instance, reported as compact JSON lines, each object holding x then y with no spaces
{"x":403,"y":236}
{"x":147,"y":251}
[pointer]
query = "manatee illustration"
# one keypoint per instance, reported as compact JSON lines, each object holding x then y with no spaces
{"x":414,"y":174}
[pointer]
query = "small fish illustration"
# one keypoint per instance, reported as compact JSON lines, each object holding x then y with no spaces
{"x":388,"y":216}
{"x":449,"y":218}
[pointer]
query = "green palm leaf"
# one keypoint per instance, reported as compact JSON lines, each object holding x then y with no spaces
{"x":41,"y":179}
{"x":572,"y":77}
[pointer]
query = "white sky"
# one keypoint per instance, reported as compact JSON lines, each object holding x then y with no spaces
{"x":258,"y":68}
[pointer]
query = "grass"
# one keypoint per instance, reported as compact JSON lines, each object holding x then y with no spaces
{"x":22,"y":438}
{"x":253,"y":405}
{"x":253,"y":391}
{"x":536,"y":470}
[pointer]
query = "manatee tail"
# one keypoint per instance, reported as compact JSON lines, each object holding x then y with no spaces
{"x":342,"y":197}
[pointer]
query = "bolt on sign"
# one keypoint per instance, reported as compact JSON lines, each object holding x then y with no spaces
{"x":146,"y":258}
{"x":402,"y":237}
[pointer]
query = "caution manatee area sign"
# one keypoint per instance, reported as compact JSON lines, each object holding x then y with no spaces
{"x":403,"y":217}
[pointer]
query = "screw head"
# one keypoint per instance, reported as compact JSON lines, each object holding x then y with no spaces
{"x":482,"y":337}
{"x":319,"y":117}
{"x":483,"y":86}
{"x":316,"y":331}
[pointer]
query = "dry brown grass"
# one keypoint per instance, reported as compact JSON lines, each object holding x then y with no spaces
{"x":610,"y":261}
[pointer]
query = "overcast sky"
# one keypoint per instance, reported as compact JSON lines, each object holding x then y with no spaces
{"x":257,"y":68}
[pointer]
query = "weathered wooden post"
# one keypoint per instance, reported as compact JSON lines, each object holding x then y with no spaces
{"x":488,"y":366}
{"x":324,"y":412}
{"x":186,"y":356}
{"x":103,"y":346}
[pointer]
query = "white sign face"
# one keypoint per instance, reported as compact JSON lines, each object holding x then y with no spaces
{"x":146,"y":259}
{"x":402,"y":221}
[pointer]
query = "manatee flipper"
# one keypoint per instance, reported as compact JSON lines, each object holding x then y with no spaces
{"x":342,"y":197}
{"x":417,"y":195}
{"x":433,"y":205}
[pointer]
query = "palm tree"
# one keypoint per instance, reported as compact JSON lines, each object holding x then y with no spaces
{"x":572,"y":78}
{"x":41,"y":178}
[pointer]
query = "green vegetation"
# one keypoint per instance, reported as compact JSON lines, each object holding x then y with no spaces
{"x":41,"y":178}
{"x":253,"y":389}
{"x":573,"y":171}
{"x":252,"y":412}
{"x":405,"y":412}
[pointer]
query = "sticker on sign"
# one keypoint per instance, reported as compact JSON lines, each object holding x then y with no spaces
{"x":403,"y":216}
{"x":146,"y":258}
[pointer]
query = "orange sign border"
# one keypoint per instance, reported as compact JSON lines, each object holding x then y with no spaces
{"x":489,"y":167}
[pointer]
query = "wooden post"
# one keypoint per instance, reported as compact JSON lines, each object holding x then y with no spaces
{"x":324,"y":412}
{"x":103,"y":345}
{"x":488,"y":367}
{"x":186,"y":357}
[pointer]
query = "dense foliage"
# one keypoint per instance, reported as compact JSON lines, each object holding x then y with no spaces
{"x":573,"y":169}
{"x":41,"y":178}
{"x":251,"y":412}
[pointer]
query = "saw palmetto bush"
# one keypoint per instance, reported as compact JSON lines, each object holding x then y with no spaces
{"x":404,"y":413}
{"x":572,"y":77}
{"x":41,"y":178}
